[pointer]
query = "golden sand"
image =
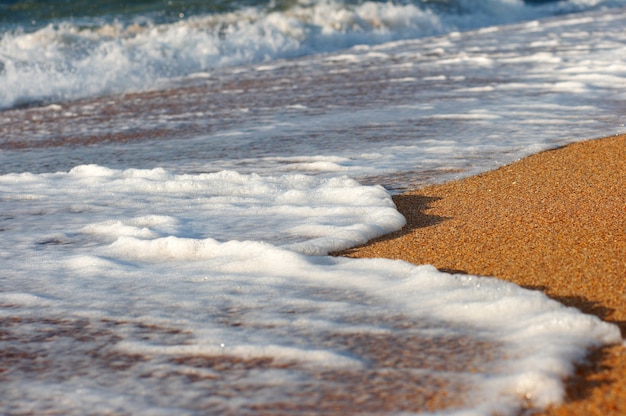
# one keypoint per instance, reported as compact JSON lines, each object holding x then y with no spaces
{"x":554,"y":222}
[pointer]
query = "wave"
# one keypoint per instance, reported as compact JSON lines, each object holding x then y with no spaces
{"x":68,"y":59}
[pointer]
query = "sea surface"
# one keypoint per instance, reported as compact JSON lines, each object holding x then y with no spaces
{"x":174,"y":174}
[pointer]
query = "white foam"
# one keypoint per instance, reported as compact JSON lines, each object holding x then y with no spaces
{"x":310,"y":214}
{"x":15,"y":299}
{"x":323,"y":358}
{"x":134,"y":272}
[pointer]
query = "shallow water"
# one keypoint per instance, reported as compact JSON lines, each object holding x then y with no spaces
{"x":449,"y":106}
{"x":165,"y":226}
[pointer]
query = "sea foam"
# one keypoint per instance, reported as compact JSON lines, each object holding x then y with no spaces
{"x":138,"y":277}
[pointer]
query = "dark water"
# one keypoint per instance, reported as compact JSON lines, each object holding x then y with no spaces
{"x":33,"y":14}
{"x":25,"y":12}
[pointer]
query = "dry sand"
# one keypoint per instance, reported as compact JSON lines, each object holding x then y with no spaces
{"x":554,"y":222}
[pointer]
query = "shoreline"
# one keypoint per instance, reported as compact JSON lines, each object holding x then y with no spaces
{"x":555,"y":222}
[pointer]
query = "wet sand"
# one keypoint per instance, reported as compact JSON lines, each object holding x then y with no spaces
{"x":554,"y":222}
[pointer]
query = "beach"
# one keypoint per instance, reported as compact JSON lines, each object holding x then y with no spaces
{"x":553,"y":222}
{"x":174,"y":177}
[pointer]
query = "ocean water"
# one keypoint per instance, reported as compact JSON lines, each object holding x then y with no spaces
{"x":173,"y":175}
